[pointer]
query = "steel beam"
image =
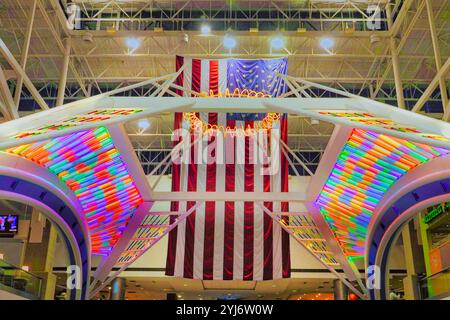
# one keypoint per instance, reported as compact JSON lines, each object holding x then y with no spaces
{"x":229,"y":196}
{"x":24,"y":56}
{"x":437,"y":58}
{"x":19,"y":70}
{"x":63,"y":73}
{"x":394,"y":54}
{"x":7,"y":97}
{"x":431,"y":87}
{"x":397,"y":74}
{"x":4,"y":110}
{"x":61,"y":46}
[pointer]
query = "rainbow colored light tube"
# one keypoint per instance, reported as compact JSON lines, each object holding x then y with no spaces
{"x":367,"y":166}
{"x":91,"y":166}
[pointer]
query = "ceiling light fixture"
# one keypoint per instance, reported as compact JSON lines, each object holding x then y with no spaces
{"x":229,"y":42}
{"x":143,"y":124}
{"x":205,"y":29}
{"x":277,"y":43}
{"x":133,"y":43}
{"x":327,"y":43}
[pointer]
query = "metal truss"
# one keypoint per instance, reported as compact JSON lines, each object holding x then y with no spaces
{"x":305,"y":231}
{"x":430,"y":90}
{"x":182,"y":15}
{"x":92,"y":66}
{"x":150,"y":159}
{"x":151,"y":228}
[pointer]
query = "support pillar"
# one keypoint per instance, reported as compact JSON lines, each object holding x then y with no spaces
{"x":396,"y":67}
{"x":395,"y":62}
{"x":340,"y":290}
{"x":426,"y":241}
{"x":118,"y":289}
{"x":414,"y":261}
{"x":40,"y":253}
{"x":63,"y":77}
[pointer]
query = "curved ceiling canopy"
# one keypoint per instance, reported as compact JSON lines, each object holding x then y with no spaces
{"x":367,"y":166}
{"x":91,"y":166}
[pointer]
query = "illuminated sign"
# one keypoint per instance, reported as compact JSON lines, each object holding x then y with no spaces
{"x":435,"y":212}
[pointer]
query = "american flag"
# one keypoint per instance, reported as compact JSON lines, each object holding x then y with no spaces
{"x":233,"y":240}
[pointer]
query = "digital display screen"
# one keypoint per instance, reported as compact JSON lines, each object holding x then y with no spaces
{"x":9,"y":223}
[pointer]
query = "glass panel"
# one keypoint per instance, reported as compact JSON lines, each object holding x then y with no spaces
{"x":19,"y":279}
{"x":435,"y":285}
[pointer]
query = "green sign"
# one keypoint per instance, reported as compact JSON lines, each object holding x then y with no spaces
{"x":436,"y":211}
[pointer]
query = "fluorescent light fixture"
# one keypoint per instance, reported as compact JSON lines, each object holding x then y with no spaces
{"x":205,"y":29}
{"x":277,"y":43}
{"x":327,"y":43}
{"x":133,"y":43}
{"x":229,"y":42}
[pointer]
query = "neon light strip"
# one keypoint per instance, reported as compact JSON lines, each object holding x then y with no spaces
{"x":368,"y":165}
{"x":90,"y":165}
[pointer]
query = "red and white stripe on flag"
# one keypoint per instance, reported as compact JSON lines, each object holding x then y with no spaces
{"x":231,"y":240}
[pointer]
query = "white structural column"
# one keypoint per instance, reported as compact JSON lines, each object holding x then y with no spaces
{"x":414,"y":261}
{"x":63,"y":75}
{"x":397,"y":78}
{"x":395,"y":62}
{"x":24,"y":56}
{"x":437,"y":58}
